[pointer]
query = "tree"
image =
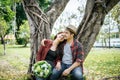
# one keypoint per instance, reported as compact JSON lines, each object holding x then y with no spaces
{"x":20,"y":17}
{"x":6,"y":15}
{"x":24,"y":36}
{"x":3,"y":30}
{"x":94,"y":16}
{"x":41,"y":24}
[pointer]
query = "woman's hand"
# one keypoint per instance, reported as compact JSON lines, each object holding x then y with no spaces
{"x":58,"y":66}
{"x":42,"y":42}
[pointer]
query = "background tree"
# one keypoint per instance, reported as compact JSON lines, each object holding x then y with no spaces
{"x":41,"y":24}
{"x":24,"y":34}
{"x":3,"y":30}
{"x":20,"y":17}
{"x":6,"y":15}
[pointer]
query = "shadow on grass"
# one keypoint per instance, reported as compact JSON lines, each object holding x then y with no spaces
{"x":112,"y":78}
{"x":18,"y":46}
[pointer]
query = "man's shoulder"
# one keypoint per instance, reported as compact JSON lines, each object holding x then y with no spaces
{"x":77,"y":43}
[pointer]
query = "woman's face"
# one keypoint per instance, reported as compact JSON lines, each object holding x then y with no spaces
{"x":60,"y":37}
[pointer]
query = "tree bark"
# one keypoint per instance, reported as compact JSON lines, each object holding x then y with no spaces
{"x":37,"y":20}
{"x":40,"y":24}
{"x":3,"y":43}
{"x":55,"y":10}
{"x":95,"y":12}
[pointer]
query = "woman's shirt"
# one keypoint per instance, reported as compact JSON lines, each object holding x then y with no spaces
{"x":51,"y":57}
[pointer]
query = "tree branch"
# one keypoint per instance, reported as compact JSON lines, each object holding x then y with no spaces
{"x":55,"y":10}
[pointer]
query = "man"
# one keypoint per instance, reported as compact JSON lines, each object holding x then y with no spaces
{"x":72,"y":59}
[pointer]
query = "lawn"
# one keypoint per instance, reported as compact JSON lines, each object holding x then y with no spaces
{"x":99,"y":64}
{"x":102,"y":63}
{"x":15,"y":63}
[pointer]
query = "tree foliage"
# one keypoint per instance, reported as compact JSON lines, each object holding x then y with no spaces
{"x":24,"y":35}
{"x":3,"y":27}
{"x":5,"y":10}
{"x":20,"y":15}
{"x":6,"y":16}
{"x":44,"y":4}
{"x":116,"y":14}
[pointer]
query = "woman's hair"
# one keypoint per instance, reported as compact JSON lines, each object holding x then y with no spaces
{"x":57,"y":34}
{"x":60,"y":46}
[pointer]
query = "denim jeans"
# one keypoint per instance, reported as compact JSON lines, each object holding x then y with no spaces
{"x":75,"y":73}
{"x":38,"y":78}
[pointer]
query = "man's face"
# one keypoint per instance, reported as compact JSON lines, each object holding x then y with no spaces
{"x":68,"y":35}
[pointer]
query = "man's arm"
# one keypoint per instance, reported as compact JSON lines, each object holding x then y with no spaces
{"x":67,"y":71}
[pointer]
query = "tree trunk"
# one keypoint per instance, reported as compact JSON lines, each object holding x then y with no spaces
{"x":92,"y":21}
{"x":40,"y":24}
{"x":55,"y":10}
{"x":4,"y":48}
{"x":39,"y":27}
{"x":3,"y":43}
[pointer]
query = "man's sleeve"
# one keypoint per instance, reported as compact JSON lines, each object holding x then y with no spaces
{"x":80,"y":53}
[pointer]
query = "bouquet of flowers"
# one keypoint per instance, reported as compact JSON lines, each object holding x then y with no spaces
{"x":42,"y":69}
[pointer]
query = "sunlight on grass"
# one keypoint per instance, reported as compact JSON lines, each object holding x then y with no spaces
{"x":103,"y":63}
{"x":14,"y":63}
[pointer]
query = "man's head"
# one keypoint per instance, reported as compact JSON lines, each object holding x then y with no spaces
{"x":70,"y":31}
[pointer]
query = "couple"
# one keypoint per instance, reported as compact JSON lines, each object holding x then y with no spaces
{"x":64,"y":53}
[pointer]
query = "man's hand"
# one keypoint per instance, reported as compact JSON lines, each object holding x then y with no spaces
{"x":66,"y":72}
{"x":58,"y":66}
{"x":42,"y":42}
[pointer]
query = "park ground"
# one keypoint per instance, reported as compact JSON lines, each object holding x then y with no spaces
{"x":100,"y":64}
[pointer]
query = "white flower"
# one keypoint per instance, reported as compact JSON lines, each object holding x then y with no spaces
{"x":42,"y":69}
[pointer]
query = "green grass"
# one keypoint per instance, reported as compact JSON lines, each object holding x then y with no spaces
{"x":14,"y":63}
{"x":102,"y":63}
{"x":99,"y":63}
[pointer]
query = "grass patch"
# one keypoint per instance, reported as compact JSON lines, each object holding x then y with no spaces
{"x":102,"y":63}
{"x":14,"y":63}
{"x":99,"y":63}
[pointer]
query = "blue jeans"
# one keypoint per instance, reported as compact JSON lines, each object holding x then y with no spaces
{"x":38,"y":78}
{"x":75,"y":73}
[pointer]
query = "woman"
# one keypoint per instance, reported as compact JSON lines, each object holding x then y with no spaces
{"x":51,"y":51}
